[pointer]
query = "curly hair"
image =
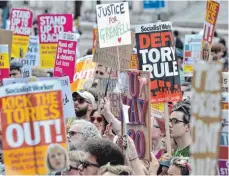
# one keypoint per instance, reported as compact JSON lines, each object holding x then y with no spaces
{"x":105,"y":152}
{"x":117,"y":170}
{"x":182,"y":164}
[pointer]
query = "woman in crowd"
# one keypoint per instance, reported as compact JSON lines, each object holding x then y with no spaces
{"x":179,"y":167}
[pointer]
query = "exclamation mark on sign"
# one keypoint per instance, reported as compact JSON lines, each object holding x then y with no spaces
{"x":58,"y":131}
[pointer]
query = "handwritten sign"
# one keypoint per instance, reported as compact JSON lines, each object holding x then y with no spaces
{"x":155,"y":45}
{"x":50,"y":27}
{"x":4,"y":62}
{"x":212,"y":10}
{"x":192,"y":47}
{"x":113,"y":24}
{"x":21,"y":24}
{"x":136,"y":95}
{"x":32,"y":120}
{"x":206,"y":117}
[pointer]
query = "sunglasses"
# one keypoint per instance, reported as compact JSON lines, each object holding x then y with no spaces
{"x":175,"y":121}
{"x":73,"y":133}
{"x":80,"y":100}
{"x":98,"y":72}
{"x":85,"y":164}
{"x":99,"y":119}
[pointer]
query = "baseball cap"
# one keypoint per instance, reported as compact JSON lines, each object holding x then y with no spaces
{"x":165,"y":163}
{"x":87,"y":96}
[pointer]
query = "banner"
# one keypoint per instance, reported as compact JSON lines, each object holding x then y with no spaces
{"x":66,"y":55}
{"x":115,"y":57}
{"x":32,"y":126}
{"x":192,"y":47}
{"x":206,"y":117}
{"x":212,"y":10}
{"x":155,"y":45}
{"x":6,"y":38}
{"x":135,"y":93}
{"x":4,"y":62}
{"x":225,"y":81}
{"x":21,"y":21}
{"x":50,"y":26}
{"x":113,"y":24}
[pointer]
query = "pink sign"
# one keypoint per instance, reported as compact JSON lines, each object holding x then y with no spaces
{"x":66,"y":56}
{"x":51,"y":25}
{"x":21,"y":21}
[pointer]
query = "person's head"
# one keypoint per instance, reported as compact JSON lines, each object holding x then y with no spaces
{"x":115,"y":170}
{"x":75,"y":157}
{"x":206,"y":52}
{"x":179,"y":122}
{"x":158,"y":128}
{"x":98,"y":120}
{"x":100,"y":152}
{"x":56,"y":158}
{"x":175,"y":33}
{"x":80,"y":131}
{"x":39,"y":72}
{"x":101,"y":71}
{"x":179,"y":167}
{"x":15,"y":70}
{"x":83,"y":101}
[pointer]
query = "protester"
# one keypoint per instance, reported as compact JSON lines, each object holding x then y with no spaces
{"x":84,"y":103}
{"x":179,"y":167}
{"x":178,"y":42}
{"x":15,"y":70}
{"x":179,"y":57}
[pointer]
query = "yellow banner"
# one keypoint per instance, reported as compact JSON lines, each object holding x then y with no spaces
{"x":47,"y":55}
{"x":19,"y":46}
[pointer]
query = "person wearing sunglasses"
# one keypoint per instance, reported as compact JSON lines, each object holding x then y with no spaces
{"x":98,"y":120}
{"x":179,"y":126}
{"x":15,"y":69}
{"x":84,"y":103}
{"x":100,"y":152}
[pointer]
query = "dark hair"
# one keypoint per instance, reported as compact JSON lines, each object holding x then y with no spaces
{"x":176,"y":33}
{"x":185,"y":107}
{"x":105,"y":151}
{"x":15,"y":66}
{"x":105,"y":121}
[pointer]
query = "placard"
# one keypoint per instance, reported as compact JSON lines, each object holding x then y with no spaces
{"x":21,"y":21}
{"x":113,"y":24}
{"x":206,"y":117}
{"x":4,"y":62}
{"x":6,"y":37}
{"x":225,"y":81}
{"x":156,"y":54}
{"x":50,"y":26}
{"x":32,"y":123}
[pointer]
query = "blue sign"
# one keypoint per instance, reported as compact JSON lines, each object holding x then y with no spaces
{"x":153,"y":4}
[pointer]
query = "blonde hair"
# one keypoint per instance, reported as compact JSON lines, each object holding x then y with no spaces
{"x":76,"y":156}
{"x":117,"y":169}
{"x":38,"y":72}
{"x":50,"y":148}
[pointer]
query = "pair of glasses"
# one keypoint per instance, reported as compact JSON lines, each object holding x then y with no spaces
{"x":71,"y":168}
{"x":175,"y":121}
{"x":73,"y":133}
{"x":99,"y":119}
{"x":85,"y":164}
{"x":98,"y":72}
{"x":80,"y":100}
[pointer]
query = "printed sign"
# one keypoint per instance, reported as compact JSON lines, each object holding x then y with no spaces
{"x":212,"y":10}
{"x":21,"y":21}
{"x":134,"y":62}
{"x":50,"y":26}
{"x":223,"y":167}
{"x":225,"y":100}
{"x":192,"y":47}
{"x":4,"y":62}
{"x":225,"y":81}
{"x":95,"y":36}
{"x":66,"y":55}
{"x":32,"y":126}
{"x":155,"y":45}
{"x":6,"y":38}
{"x":135,"y":94}
{"x":206,"y":117}
{"x":113,"y":24}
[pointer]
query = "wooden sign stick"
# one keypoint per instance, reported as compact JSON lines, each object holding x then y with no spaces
{"x":168,"y":140}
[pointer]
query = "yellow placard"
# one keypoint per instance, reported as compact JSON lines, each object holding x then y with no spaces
{"x":47,"y":55}
{"x":188,"y":68}
{"x":158,"y":106}
{"x":19,"y":46}
{"x":4,"y":60}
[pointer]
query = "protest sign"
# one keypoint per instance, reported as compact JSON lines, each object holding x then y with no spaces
{"x":225,"y":82}
{"x":31,"y":58}
{"x":21,"y":21}
{"x":134,"y":62}
{"x":206,"y":117}
{"x":32,"y":124}
{"x":212,"y":10}
{"x":95,"y":36}
{"x":4,"y":62}
{"x":113,"y":24}
{"x":65,"y":88}
{"x":192,"y":47}
{"x":111,"y":57}
{"x":6,"y":38}
{"x":225,"y":101}
{"x":66,"y":55}
{"x":50,"y":26}
{"x":155,"y":45}
{"x":135,"y":94}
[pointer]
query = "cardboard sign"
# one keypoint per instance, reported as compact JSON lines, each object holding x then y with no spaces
{"x":225,"y":82}
{"x":66,"y":55}
{"x":206,"y":117}
{"x":65,"y":88}
{"x":6,"y":38}
{"x":113,"y":24}
{"x":192,"y":47}
{"x":155,"y":45}
{"x":212,"y":10}
{"x":50,"y":26}
{"x":21,"y":21}
{"x":4,"y":62}
{"x":136,"y":95}
{"x":32,"y":123}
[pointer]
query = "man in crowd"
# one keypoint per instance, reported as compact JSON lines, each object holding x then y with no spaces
{"x":84,"y":103}
{"x":15,"y":70}
{"x":80,"y":132}
{"x":180,"y":129}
